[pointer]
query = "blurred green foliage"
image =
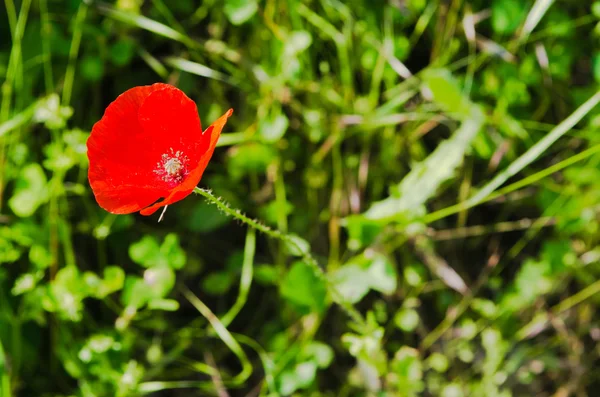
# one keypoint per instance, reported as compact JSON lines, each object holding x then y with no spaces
{"x":439,"y":160}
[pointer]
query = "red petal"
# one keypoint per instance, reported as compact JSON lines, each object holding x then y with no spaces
{"x":128,"y":143}
{"x":171,"y":123}
{"x":117,"y":174}
{"x":192,"y":180}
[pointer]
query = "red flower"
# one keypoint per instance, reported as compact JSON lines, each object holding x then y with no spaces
{"x":149,"y":145}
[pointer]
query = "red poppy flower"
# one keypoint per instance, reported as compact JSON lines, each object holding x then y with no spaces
{"x":149,"y":145}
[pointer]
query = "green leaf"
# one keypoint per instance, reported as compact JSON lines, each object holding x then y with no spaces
{"x":145,"y":252}
{"x":367,"y":345}
{"x":273,"y":128}
{"x":362,"y":273}
{"x":92,"y":282}
{"x":301,"y":287}
{"x":408,"y":368}
{"x":100,"y":343}
{"x":31,"y":191}
{"x":560,"y":255}
{"x":320,"y":353}
{"x":66,"y":293}
{"x":154,"y":353}
{"x":447,"y":93}
{"x":39,"y":256}
{"x":362,"y":231}
{"x":135,"y":293}
{"x":407,"y":320}
{"x":240,"y":11}
{"x":300,"y":377}
{"x":454,"y":390}
{"x":485,"y":307}
{"x":114,"y":279}
{"x":596,"y":9}
{"x":351,"y":282}
{"x":382,"y":274}
{"x":297,"y":42}
{"x":57,"y":158}
{"x":297,"y":246}
{"x":159,"y":280}
{"x":438,"y":362}
{"x":51,"y":113}
{"x":415,"y":275}
{"x":8,"y":251}
{"x":507,"y":15}
{"x":402,"y":47}
{"x":169,"y":305}
{"x":25,"y":283}
{"x":218,"y":283}
{"x":172,"y":251}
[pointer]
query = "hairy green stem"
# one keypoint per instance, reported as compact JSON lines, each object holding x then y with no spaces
{"x":306,"y":256}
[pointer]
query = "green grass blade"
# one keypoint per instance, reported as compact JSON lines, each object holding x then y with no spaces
{"x":320,"y":23}
{"x":148,"y":24}
{"x":232,"y":138}
{"x":523,"y":161}
{"x":198,"y":69}
{"x":46,"y":29}
{"x":224,"y":335}
{"x":540,"y":322}
{"x":14,"y":72}
{"x":73,"y":52}
{"x":536,"y":150}
{"x":168,"y":15}
{"x":536,"y":13}
{"x":156,"y":386}
{"x":267,"y":362}
{"x":246,"y":279}
{"x":154,"y":64}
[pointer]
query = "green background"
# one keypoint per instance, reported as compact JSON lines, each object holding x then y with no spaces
{"x":424,"y":175}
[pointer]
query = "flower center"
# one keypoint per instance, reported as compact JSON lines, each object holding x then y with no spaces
{"x":172,"y":167}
